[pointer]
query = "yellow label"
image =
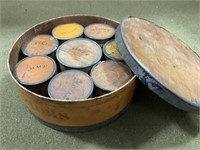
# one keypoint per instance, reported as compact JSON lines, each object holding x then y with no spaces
{"x":68,"y":31}
{"x":112,"y":50}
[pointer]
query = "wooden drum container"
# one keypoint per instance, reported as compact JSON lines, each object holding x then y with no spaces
{"x":71,"y":115}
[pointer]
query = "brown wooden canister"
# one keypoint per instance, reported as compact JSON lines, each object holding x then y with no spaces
{"x":79,"y":54}
{"x":67,"y":31}
{"x":71,"y":85}
{"x":99,"y":32}
{"x":109,"y":75}
{"x":35,"y":72}
{"x":111,"y":51}
{"x":42,"y":44}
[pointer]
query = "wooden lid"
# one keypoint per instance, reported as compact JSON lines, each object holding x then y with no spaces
{"x":34,"y":70}
{"x":42,"y":44}
{"x":71,"y":85}
{"x":79,"y":53}
{"x":161,"y":61}
{"x":109,"y":75}
{"x":67,"y":31}
{"x":99,"y":31}
{"x":111,"y":50}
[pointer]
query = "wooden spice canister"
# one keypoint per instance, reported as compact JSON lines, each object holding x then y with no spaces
{"x":79,"y":54}
{"x":99,"y":32}
{"x":67,"y":31}
{"x":42,"y":44}
{"x":35,"y":72}
{"x":109,"y":75}
{"x":111,"y":51}
{"x":71,"y":85}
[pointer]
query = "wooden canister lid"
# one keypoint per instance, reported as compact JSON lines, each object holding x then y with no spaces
{"x":111,"y":51}
{"x":109,"y":75}
{"x":99,"y":31}
{"x":42,"y":44}
{"x":71,"y":85}
{"x":67,"y":31}
{"x":79,"y":53}
{"x":34,"y":70}
{"x":161,"y":61}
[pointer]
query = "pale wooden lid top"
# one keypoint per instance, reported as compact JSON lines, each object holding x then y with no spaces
{"x":110,"y":75}
{"x":169,"y":60}
{"x":79,"y":53}
{"x":70,"y":85}
{"x":42,"y":44}
{"x":67,"y":31}
{"x":111,"y":50}
{"x":99,"y":31}
{"x":34,"y":70}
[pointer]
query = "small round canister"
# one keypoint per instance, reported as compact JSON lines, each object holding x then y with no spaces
{"x":109,"y":75}
{"x":67,"y":31}
{"x":111,"y":51}
{"x":71,"y":85}
{"x":100,"y":33}
{"x":79,"y":54}
{"x":42,"y":44}
{"x":35,"y":72}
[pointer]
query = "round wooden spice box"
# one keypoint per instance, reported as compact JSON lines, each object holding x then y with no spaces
{"x":72,"y":115}
{"x":161,"y":61}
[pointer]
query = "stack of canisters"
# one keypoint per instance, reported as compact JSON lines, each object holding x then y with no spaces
{"x":73,"y":63}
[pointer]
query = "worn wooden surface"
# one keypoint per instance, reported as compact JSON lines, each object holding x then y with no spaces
{"x":43,"y":44}
{"x":99,"y":31}
{"x":71,"y":85}
{"x":167,"y":58}
{"x":79,"y":53}
{"x":110,"y":75}
{"x":111,"y":51}
{"x":76,"y":113}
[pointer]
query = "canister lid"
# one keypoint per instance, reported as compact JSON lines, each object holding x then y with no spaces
{"x":109,"y":75}
{"x":71,"y":85}
{"x":35,"y":70}
{"x":161,"y":61}
{"x":99,"y":31}
{"x":67,"y":31}
{"x":42,"y":44}
{"x":79,"y":53}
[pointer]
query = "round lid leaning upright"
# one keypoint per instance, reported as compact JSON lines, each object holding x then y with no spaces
{"x":161,"y":61}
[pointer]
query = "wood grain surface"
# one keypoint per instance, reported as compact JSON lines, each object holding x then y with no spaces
{"x":42,"y":44}
{"x":110,"y":75}
{"x":70,"y":85}
{"x":99,"y":31}
{"x":79,"y":53}
{"x":167,"y":58}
